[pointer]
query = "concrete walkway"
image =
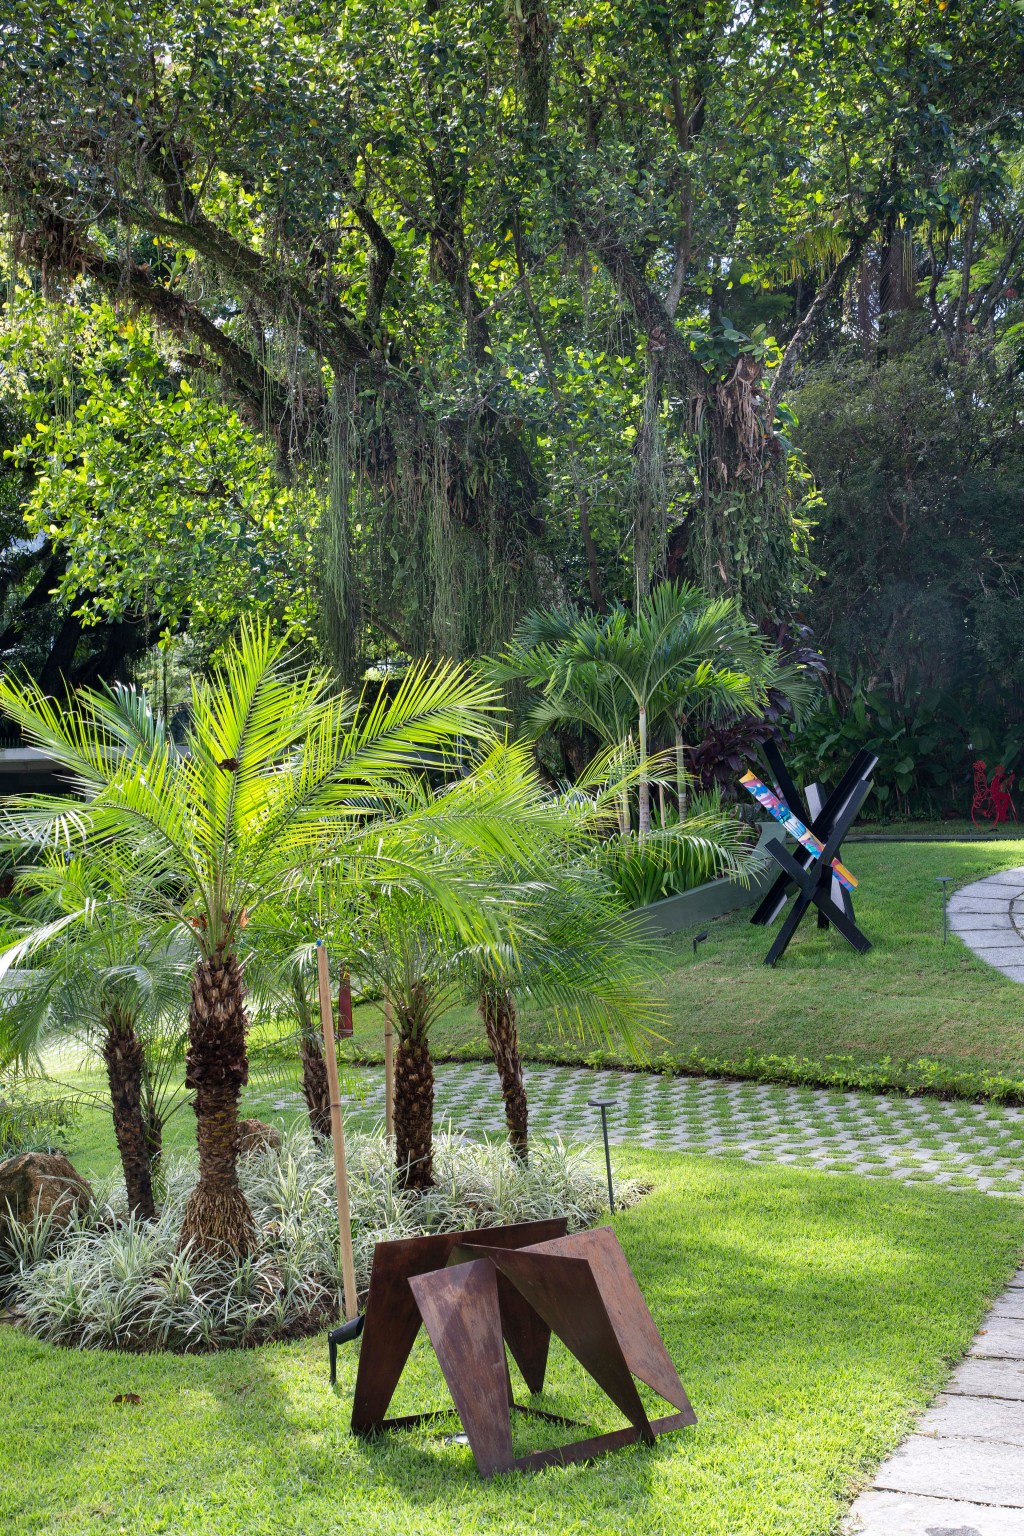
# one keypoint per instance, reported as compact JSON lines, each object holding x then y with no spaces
{"x":961,"y":1473}
{"x":989,"y":917}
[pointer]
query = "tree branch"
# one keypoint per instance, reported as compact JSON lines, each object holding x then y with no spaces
{"x":798,"y":340}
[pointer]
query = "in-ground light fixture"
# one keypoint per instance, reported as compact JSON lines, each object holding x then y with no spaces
{"x":604,"y":1105}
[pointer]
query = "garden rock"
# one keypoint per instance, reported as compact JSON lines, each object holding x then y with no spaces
{"x":42,"y":1182}
{"x":257,"y":1136}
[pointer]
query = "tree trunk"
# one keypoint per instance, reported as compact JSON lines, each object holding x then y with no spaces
{"x":153,"y":1125}
{"x":498,"y":1011}
{"x":414,"y":1114}
{"x":123,"y":1054}
{"x":315,"y":1087}
{"x":644,"y":787}
{"x":680,"y":773}
{"x":316,"y":1090}
{"x":217,"y":1217}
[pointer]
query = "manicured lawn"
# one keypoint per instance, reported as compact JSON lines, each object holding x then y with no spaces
{"x":825,"y":1013}
{"x":811,"y":1318}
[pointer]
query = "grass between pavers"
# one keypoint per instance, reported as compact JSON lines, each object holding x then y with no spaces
{"x":913,"y":1014}
{"x":811,"y":1318}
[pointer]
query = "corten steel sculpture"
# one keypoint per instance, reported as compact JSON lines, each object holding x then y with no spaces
{"x":809,"y":872}
{"x":477,"y":1291}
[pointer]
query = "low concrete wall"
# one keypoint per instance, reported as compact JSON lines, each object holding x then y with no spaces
{"x":714,"y":899}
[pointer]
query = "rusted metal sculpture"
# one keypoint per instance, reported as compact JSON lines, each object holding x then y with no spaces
{"x":992,"y":804}
{"x":477,"y":1291}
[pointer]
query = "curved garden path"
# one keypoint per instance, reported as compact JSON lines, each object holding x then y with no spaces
{"x":989,"y":917}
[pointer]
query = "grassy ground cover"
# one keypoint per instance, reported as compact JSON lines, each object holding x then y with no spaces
{"x":811,"y":1318}
{"x":952,"y":829}
{"x":913,"y":1013}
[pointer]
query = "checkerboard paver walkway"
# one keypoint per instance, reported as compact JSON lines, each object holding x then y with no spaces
{"x":921,"y":1140}
{"x":989,"y":916}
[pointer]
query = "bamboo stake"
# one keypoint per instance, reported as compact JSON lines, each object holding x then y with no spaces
{"x":348,"y":1268}
{"x":389,"y":1072}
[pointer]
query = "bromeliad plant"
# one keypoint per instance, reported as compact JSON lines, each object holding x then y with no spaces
{"x":278,"y":770}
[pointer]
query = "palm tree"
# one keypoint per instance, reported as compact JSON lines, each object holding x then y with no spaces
{"x":680,"y":654}
{"x":91,"y":966}
{"x":575,"y":955}
{"x":553,"y":933}
{"x":277,"y":772}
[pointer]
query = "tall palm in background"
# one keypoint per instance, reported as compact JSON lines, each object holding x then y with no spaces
{"x":680,"y":656}
{"x":94,"y":969}
{"x":277,"y":770}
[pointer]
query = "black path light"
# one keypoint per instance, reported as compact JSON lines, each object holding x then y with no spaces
{"x":945,"y":881}
{"x":604,"y":1105}
{"x":699,"y":938}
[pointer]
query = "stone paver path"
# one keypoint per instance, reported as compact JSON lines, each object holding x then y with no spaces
{"x":989,"y":917}
{"x":957,"y":1144}
{"x":961,"y":1473}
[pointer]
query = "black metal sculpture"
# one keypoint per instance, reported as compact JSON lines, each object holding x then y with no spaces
{"x":812,"y":876}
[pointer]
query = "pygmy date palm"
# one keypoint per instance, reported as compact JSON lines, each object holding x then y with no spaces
{"x":93,"y":968}
{"x":277,"y":769}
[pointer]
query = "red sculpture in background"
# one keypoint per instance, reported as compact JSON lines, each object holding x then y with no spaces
{"x":992,"y":803}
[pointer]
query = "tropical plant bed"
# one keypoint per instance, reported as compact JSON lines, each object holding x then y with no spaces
{"x":107,"y":1281}
{"x":811,"y":1318}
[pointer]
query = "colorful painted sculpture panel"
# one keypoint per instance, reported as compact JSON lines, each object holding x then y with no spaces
{"x":794,"y":826}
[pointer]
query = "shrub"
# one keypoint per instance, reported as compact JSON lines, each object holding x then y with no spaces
{"x":110,"y":1281}
{"x":31,"y":1124}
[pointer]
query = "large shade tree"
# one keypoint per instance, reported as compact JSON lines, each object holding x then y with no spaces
{"x":509,"y":273}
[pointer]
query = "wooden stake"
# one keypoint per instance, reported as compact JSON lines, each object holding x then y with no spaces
{"x":389,"y":1072}
{"x":348,"y":1268}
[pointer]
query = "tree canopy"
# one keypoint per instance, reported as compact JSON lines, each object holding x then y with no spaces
{"x":518,"y":290}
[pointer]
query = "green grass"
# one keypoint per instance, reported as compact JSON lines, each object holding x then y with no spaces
{"x":912,"y":1013}
{"x":811,"y":1319}
{"x":947,"y":829}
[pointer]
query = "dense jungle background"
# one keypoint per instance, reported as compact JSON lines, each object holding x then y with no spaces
{"x":393,"y":323}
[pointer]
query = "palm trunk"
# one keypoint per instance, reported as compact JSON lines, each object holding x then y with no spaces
{"x":123,"y":1054}
{"x":316,"y":1089}
{"x":680,"y":772}
{"x":414,"y":1091}
{"x":217,"y":1217}
{"x":644,"y":788}
{"x":498,"y":1011}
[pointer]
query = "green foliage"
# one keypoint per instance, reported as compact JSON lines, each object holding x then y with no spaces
{"x":708,"y":843}
{"x":159,"y":498}
{"x":34,"y":1121}
{"x":918,"y":455}
{"x":108,"y":1281}
{"x":925,"y":747}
